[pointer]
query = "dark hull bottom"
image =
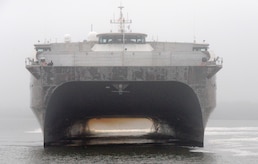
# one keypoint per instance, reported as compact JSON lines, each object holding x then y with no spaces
{"x":144,"y":140}
{"x":172,"y":107}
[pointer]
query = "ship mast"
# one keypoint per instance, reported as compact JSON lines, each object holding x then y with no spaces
{"x":121,"y":22}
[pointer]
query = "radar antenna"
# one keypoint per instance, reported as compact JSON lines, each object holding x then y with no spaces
{"x":121,"y":21}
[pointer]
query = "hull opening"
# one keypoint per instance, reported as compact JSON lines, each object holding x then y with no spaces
{"x":120,"y":126}
{"x":89,"y":113}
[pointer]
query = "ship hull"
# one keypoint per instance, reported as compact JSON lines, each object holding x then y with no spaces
{"x":177,"y":100}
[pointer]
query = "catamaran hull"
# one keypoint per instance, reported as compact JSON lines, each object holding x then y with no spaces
{"x":178,"y":100}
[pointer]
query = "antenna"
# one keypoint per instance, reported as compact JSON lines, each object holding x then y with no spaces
{"x":194,"y":24}
{"x":121,"y":21}
{"x":194,"y":30}
{"x":91,"y":28}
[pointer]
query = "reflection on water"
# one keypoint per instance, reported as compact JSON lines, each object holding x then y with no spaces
{"x":118,"y":154}
{"x":225,"y":142}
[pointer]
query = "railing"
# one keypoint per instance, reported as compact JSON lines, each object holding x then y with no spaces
{"x":129,"y":59}
{"x":218,"y":61}
{"x":30,"y":61}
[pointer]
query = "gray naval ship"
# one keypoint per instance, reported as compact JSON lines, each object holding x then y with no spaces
{"x":83,"y":93}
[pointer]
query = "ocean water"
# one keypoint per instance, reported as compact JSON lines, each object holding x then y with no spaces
{"x":226,"y":141}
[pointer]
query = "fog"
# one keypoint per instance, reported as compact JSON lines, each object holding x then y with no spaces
{"x":230,"y":27}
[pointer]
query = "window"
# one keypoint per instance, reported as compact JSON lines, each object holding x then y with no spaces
{"x":118,"y":39}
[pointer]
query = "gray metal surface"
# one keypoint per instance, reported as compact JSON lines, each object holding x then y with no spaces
{"x":73,"y":82}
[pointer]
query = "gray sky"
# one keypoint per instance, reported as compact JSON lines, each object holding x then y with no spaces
{"x":231,"y":28}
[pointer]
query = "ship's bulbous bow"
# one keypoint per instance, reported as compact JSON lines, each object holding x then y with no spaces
{"x":172,"y":107}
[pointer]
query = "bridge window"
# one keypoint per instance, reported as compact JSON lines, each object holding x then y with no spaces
{"x":43,"y":49}
{"x":118,"y":39}
{"x":200,"y":48}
